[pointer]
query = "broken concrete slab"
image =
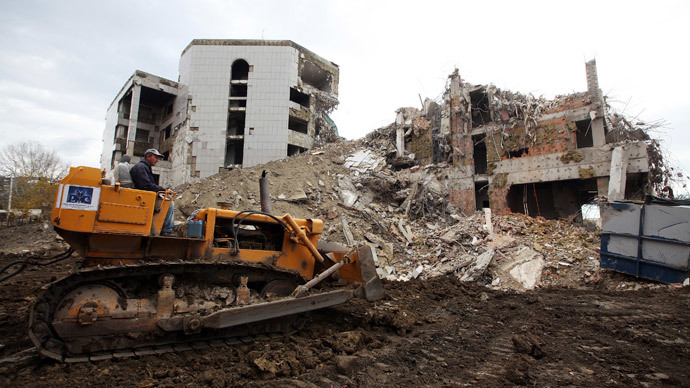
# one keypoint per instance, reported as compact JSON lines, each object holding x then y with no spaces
{"x":479,"y":267}
{"x":348,"y":193}
{"x":298,"y":196}
{"x":525,"y":267}
{"x":363,"y":161}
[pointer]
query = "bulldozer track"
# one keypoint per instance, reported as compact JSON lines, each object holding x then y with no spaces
{"x":178,"y":347}
{"x":48,"y":344}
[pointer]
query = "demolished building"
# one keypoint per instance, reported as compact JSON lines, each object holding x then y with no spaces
{"x":237,"y":103}
{"x":516,"y":153}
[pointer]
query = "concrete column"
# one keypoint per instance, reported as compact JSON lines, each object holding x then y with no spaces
{"x":133,"y":117}
{"x":597,"y":115}
{"x":598,"y":136}
{"x":400,"y":141}
{"x":617,"y":175}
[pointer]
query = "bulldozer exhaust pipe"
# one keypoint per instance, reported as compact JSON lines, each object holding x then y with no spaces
{"x":265,"y":193}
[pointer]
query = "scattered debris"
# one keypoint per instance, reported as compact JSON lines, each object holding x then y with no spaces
{"x":526,"y":267}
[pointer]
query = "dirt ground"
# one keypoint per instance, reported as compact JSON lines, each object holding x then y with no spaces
{"x":425,"y":333}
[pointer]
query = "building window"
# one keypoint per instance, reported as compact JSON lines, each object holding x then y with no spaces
{"x":480,"y":164}
{"x":238,"y":90}
{"x":481,"y":111}
{"x":142,"y":135}
{"x":234,"y":149}
{"x":236,"y":123}
{"x":299,"y":97}
{"x":481,"y":194}
{"x":298,"y":125}
{"x":294,"y":150}
{"x":240,"y":70}
{"x":234,"y":145}
{"x":583,"y":135}
{"x":165,"y":133}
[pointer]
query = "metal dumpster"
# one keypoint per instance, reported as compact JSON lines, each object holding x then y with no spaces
{"x":647,"y":240}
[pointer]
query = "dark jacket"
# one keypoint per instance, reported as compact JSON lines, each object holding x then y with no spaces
{"x":143,"y":177}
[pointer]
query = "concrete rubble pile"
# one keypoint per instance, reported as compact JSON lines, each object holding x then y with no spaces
{"x":406,"y":216}
{"x":411,"y":189}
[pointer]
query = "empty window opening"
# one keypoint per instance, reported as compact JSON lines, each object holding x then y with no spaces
{"x":294,"y":150}
{"x":120,"y":132}
{"x":146,"y":115}
{"x":518,"y":153}
{"x":636,"y":187}
{"x":240,"y":70}
{"x":125,"y":105}
{"x":298,"y":125}
{"x":236,"y":123}
{"x":481,"y":194}
{"x":142,"y":135}
{"x":532,"y":199}
{"x":234,"y":150}
{"x":481,"y":112}
{"x":317,"y":77}
{"x":480,"y":165}
{"x":166,"y":132}
{"x":552,"y":200}
{"x":156,"y":178}
{"x":238,"y":103}
{"x":584,"y":134}
{"x":238,"y":90}
{"x":166,"y":155}
{"x":299,"y":97}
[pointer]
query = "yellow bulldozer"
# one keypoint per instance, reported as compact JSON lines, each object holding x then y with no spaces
{"x":236,"y":274}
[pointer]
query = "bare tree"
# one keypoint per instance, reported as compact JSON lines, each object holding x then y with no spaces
{"x":29,"y":159}
{"x":35,"y":172}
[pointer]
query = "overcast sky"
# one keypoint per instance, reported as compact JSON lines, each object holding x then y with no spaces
{"x":63,"y":62}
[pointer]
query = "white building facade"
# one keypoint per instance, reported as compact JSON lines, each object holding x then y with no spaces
{"x":237,"y":103}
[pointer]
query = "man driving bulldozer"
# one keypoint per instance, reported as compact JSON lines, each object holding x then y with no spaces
{"x":143,"y":180}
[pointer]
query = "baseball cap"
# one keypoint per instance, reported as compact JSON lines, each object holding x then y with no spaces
{"x":153,"y":151}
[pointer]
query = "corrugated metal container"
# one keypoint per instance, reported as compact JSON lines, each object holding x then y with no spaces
{"x":646,"y":240}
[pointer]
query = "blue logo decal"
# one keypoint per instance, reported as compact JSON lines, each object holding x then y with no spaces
{"x":78,"y":194}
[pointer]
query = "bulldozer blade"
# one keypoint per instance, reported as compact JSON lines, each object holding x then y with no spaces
{"x":259,"y":312}
{"x":371,"y":284}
